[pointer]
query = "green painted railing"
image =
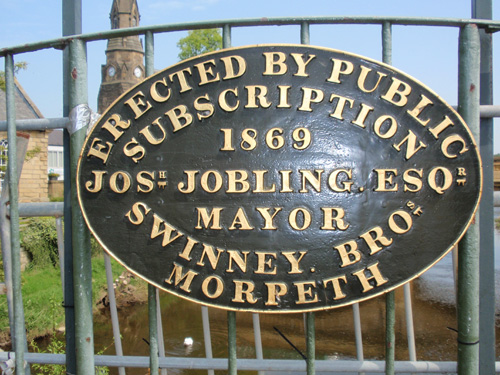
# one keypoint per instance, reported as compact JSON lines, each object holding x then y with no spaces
{"x":474,"y":62}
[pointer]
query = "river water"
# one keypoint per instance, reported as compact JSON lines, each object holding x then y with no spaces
{"x":433,"y":299}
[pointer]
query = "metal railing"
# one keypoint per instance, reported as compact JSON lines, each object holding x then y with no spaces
{"x":76,"y":272}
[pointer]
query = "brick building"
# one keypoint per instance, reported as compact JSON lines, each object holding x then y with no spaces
{"x":33,"y":186}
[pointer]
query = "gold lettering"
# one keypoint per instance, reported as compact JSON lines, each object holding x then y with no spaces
{"x":241,"y":262}
{"x":331,"y":222}
{"x":217,"y":291}
{"x":314,"y":181}
{"x":213,"y":218}
{"x":435,"y":131}
{"x":384,"y":180}
{"x":264,"y":211}
{"x":186,"y":253}
{"x":257,"y":93}
{"x":415,"y":112}
{"x":240,"y":221}
{"x":292,"y":219}
{"x":137,"y":105}
{"x":337,"y":290}
{"x":136,"y":152}
{"x":97,"y":151}
{"x":113,"y":122}
{"x":166,"y":231}
{"x":275,"y":63}
{"x":364,"y":279}
{"x":205,"y":110}
{"x":445,"y":177}
{"x":283,"y":96}
{"x":349,"y":253}
{"x":389,"y":131}
{"x":294,"y":262}
{"x":206,"y":72}
{"x":97,"y":182}
{"x":395,"y":227}
{"x":305,"y":292}
{"x":397,"y":93}
{"x":452,"y":139}
{"x":157,"y":97}
{"x":179,"y":276}
{"x":274,"y":293}
{"x":333,"y":179}
{"x":411,"y":141}
{"x":339,"y":108}
{"x":259,"y":183}
{"x":205,"y":179}
{"x":179,"y":117}
{"x":237,"y":181}
{"x":223,"y":100}
{"x":362,"y":115}
{"x":122,"y":176}
{"x":416,"y":181}
{"x":374,"y":235}
{"x":310,"y":96}
{"x":243,"y":288}
{"x":340,"y":67}
{"x":145,"y":184}
{"x":191,"y":183}
{"x":265,"y":263}
{"x":301,"y":64}
{"x":146,"y":132}
{"x":212,"y":258}
{"x":362,"y":79}
{"x":181,"y":76}
{"x":228,"y":64}
{"x":138,"y":215}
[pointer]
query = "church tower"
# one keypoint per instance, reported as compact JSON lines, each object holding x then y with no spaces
{"x":124,"y":56}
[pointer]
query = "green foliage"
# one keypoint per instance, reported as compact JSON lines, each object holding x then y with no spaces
{"x":39,"y":239}
{"x":198,"y":42}
{"x":57,"y":346}
{"x":22,"y":65}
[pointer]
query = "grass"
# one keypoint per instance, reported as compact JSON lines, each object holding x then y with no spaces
{"x":497,"y":223}
{"x":43,"y":299}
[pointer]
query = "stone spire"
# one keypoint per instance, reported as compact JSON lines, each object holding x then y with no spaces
{"x":124,"y":66}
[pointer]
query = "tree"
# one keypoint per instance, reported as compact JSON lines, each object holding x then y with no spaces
{"x":22,"y":65}
{"x":198,"y":42}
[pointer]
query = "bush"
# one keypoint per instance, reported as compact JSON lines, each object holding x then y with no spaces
{"x":39,"y":239}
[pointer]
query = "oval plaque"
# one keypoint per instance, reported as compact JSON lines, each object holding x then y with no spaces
{"x":279,"y":178}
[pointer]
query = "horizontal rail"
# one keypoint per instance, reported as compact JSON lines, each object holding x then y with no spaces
{"x":38,"y":124}
{"x":60,"y":43}
{"x":249,"y":364}
{"x":41,"y":209}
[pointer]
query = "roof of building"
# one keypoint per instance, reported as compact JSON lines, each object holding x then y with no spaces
{"x":56,"y":138}
{"x":25,"y":108}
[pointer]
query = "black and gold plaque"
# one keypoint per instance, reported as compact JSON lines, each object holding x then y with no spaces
{"x":279,"y":178}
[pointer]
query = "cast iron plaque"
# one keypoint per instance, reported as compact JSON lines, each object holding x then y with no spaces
{"x":279,"y":178}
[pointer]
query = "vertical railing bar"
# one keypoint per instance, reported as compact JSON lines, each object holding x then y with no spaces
{"x":161,"y":344}
{"x":5,"y":228}
{"x":113,"y":310}
{"x":468,"y":247}
{"x":60,"y":248}
{"x":358,"y":335}
{"x":483,"y":9}
{"x":258,"y":339}
{"x":152,"y":302}
{"x":153,"y":331}
{"x":15,"y":247}
{"x":310,"y":343}
{"x":231,"y":343}
{"x":390,"y":305}
{"x":226,"y":36}
{"x":410,"y":332}
{"x":207,"y":337}
{"x":304,"y":33}
{"x":82,"y":263}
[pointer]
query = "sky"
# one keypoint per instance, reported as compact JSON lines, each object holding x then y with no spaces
{"x":428,"y":54}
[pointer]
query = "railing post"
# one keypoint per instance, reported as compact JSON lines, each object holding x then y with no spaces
{"x":82,"y":265}
{"x":468,"y":248}
{"x":15,"y":248}
{"x":483,"y":9}
{"x":226,"y":36}
{"x":231,"y":343}
{"x":310,"y":343}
